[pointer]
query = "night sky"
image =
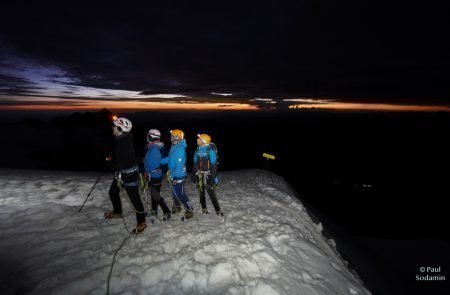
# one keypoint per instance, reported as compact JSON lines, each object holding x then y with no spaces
{"x":374,"y":173}
{"x":232,"y":55}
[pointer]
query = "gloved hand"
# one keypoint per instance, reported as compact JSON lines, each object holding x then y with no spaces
{"x":108,"y":162}
{"x":141,"y":167}
{"x":118,"y":176}
{"x":213,"y":179}
{"x":194,"y":178}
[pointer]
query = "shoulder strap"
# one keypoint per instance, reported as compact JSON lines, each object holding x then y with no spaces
{"x":213,"y":146}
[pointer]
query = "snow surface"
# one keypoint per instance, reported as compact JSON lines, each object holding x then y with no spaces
{"x":265,"y":244}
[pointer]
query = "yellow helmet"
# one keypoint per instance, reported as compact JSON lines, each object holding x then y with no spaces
{"x":205,"y":138}
{"x":177,"y":134}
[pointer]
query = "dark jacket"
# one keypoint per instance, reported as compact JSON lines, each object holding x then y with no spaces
{"x":124,"y":154}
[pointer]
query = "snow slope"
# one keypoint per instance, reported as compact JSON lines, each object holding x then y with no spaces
{"x":266,"y":244}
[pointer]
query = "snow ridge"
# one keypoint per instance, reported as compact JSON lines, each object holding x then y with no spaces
{"x":265,"y":244}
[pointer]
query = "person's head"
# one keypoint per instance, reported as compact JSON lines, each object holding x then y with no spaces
{"x":203,"y":139}
{"x":121,"y":125}
{"x":176,"y":135}
{"x":153,"y":135}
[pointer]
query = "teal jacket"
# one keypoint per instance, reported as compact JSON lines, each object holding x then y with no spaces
{"x":202,"y":153}
{"x":176,"y":160}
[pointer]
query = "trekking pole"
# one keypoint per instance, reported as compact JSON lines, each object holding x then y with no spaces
{"x":98,"y":178}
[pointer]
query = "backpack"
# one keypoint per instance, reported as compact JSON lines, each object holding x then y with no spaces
{"x":214,"y":147}
{"x":215,"y":167}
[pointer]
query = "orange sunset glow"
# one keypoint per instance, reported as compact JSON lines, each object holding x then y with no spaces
{"x":60,"y":104}
{"x":370,"y":107}
{"x":78,"y":104}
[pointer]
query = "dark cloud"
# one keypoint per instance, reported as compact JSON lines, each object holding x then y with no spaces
{"x":371,"y":52}
{"x":16,"y":86}
{"x":6,"y":80}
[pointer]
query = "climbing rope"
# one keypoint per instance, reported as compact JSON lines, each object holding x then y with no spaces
{"x":112,"y":264}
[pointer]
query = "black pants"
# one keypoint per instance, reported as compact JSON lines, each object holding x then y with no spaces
{"x":133,"y":194}
{"x":155,"y":191}
{"x":209,"y":187}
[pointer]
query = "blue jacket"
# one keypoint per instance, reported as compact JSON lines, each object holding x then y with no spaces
{"x":201,"y":153}
{"x":176,"y":160}
{"x":152,"y":160}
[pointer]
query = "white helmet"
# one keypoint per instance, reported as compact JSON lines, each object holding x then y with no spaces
{"x":123,"y":123}
{"x":153,"y":134}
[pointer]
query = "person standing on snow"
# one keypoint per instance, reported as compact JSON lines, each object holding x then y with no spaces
{"x":152,"y":167}
{"x":127,"y":174}
{"x":177,"y":172}
{"x":204,"y":172}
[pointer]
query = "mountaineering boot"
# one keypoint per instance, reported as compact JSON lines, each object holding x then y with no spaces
{"x":205,"y":211}
{"x":219,"y":212}
{"x":166,"y":216}
{"x":140,"y":228}
{"x":112,"y":215}
{"x":188,"y":214}
{"x":176,"y":210}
